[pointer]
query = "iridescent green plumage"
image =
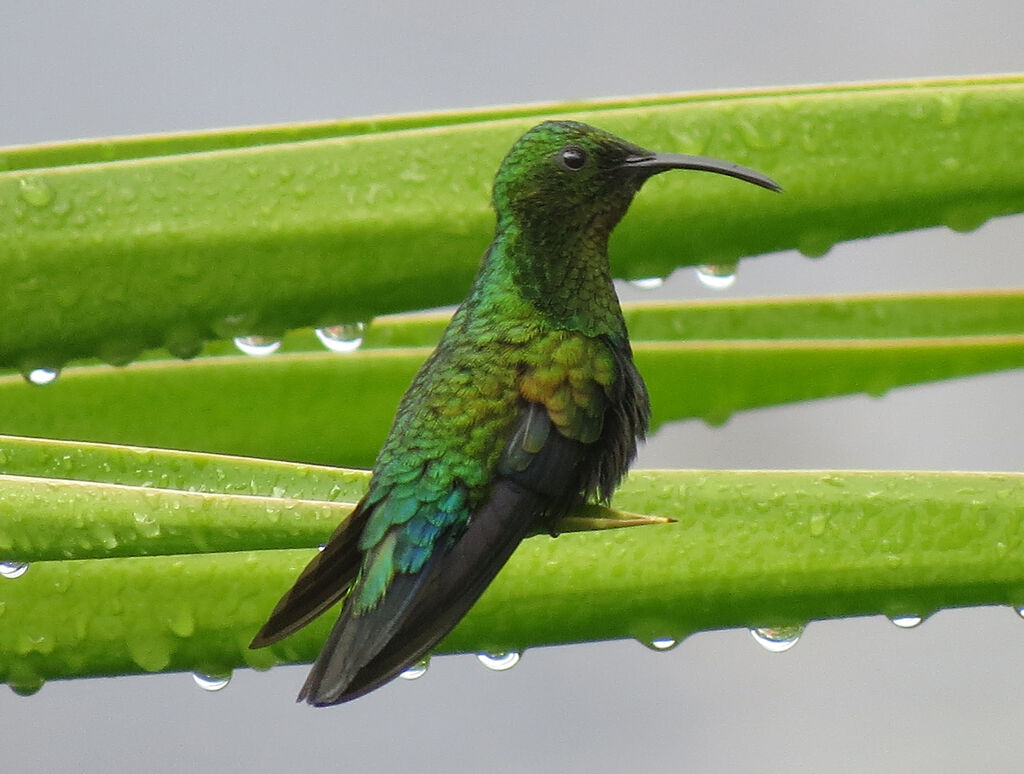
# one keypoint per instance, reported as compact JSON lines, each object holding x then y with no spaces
{"x":529,"y":406}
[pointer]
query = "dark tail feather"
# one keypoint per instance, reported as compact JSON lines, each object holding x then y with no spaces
{"x":356,"y":639}
{"x":366,"y":651}
{"x":324,"y":581}
{"x":440,"y":596}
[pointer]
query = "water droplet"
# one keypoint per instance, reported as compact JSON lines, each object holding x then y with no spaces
{"x":906,"y":621}
{"x":346,"y":337}
{"x":233,"y":325}
{"x":13,"y":569}
{"x":184,"y":342}
{"x":211,"y":682}
{"x":151,"y":651}
{"x":499,"y":662}
{"x":661,"y":644}
{"x":146,"y":525}
{"x":818,"y":523}
{"x":119,"y":352}
{"x":26,"y":685}
{"x":34,"y":191}
{"x":1020,"y":611}
{"x":777,"y":639}
{"x":417,"y":670}
{"x":814,"y":244}
{"x":949,"y":107}
{"x":182,"y":623}
{"x":648,"y":283}
{"x":717,"y":276}
{"x":42,"y":376}
{"x":257,"y":346}
{"x":966,"y":218}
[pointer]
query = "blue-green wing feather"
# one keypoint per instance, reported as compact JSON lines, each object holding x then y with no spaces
{"x":412,"y":591}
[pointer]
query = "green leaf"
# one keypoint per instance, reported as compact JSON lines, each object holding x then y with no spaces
{"x":748,"y":549}
{"x":336,"y":409}
{"x":267,"y":237}
{"x":142,"y":559}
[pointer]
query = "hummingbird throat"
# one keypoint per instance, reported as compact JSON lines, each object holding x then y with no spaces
{"x":571,"y":285}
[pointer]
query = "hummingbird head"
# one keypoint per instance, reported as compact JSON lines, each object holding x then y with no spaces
{"x":566,"y":174}
{"x":558,"y":194}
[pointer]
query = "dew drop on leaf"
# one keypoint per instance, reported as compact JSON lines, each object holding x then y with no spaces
{"x":211,"y":683}
{"x":41,"y":376}
{"x":343,"y":338}
{"x":777,"y":639}
{"x":717,"y":276}
{"x":499,"y":662}
{"x":906,"y":621}
{"x":661,"y":644}
{"x":648,"y":283}
{"x":417,"y":670}
{"x":13,"y":569}
{"x":257,"y":346}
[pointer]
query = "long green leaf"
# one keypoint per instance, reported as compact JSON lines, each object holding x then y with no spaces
{"x":336,"y":410}
{"x":749,"y":549}
{"x":277,"y":236}
{"x":137,"y":147}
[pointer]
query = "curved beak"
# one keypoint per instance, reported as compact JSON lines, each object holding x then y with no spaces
{"x":653,"y":163}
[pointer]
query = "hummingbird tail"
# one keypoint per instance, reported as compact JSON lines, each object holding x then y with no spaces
{"x":324,"y":581}
{"x":365,"y":651}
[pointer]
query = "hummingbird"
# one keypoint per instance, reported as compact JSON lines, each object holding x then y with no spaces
{"x":529,"y":407}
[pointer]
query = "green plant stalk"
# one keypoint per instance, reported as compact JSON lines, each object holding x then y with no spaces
{"x":134,"y":466}
{"x":143,"y":146}
{"x":273,"y":237}
{"x":51,"y":519}
{"x":65,"y":500}
{"x":329,"y":409}
{"x":748,"y":549}
{"x":858,"y":316}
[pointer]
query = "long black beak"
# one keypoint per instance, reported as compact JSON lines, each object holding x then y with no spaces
{"x":653,"y":163}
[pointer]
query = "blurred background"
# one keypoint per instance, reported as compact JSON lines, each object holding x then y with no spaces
{"x":852,"y":696}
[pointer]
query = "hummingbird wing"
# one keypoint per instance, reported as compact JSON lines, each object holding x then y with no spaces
{"x":427,"y":554}
{"x":536,"y":466}
{"x":322,"y":583}
{"x":373,"y":642}
{"x":577,"y":443}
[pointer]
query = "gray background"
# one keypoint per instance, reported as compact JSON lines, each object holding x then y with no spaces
{"x":852,"y":696}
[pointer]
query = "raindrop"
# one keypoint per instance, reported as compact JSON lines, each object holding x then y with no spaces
{"x":648,"y":283}
{"x":42,"y":376}
{"x":499,"y":662}
{"x":966,"y":219}
{"x":814,"y":244}
{"x":13,"y":569}
{"x":777,"y":639}
{"x":35,"y":191}
{"x":119,"y":352}
{"x":417,"y":670}
{"x":717,"y":276}
{"x":661,"y":644}
{"x":906,"y":621}
{"x":233,"y":325}
{"x":184,"y":342}
{"x":211,"y":682}
{"x":257,"y":346}
{"x":26,"y":686}
{"x":342,"y":338}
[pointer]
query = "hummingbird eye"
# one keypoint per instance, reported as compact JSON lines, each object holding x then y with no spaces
{"x":572,"y":157}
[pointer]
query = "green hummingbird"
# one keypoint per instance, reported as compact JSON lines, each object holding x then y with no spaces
{"x":529,"y":407}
